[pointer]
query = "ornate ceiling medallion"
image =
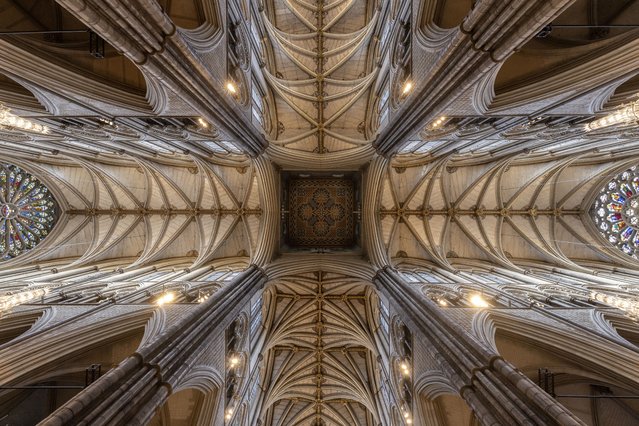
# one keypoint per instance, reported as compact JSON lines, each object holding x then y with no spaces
{"x":28,"y":211}
{"x":616,"y":211}
{"x":320,"y":211}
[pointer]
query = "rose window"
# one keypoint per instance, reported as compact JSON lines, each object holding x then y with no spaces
{"x":616,"y":211}
{"x":28,"y":211}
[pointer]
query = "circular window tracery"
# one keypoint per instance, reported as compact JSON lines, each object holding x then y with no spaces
{"x":616,"y":211}
{"x":28,"y":211}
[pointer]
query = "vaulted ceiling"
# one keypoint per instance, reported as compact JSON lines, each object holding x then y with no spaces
{"x":149,"y":211}
{"x":468,"y":120}
{"x":321,"y":71}
{"x":503,"y":212}
{"x":320,"y":364}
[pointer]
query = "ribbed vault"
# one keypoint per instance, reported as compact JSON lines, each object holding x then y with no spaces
{"x":320,"y":364}
{"x":478,"y":165}
{"x":321,"y":71}
{"x":151,"y":211}
{"x":503,"y":211}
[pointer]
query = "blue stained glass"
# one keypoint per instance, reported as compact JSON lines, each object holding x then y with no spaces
{"x":618,"y":197}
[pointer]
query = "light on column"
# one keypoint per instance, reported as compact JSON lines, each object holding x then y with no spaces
{"x":478,"y":301}
{"x":234,"y":361}
{"x":408,"y":86}
{"x":405,"y":369}
{"x":407,"y":417}
{"x":230,"y":86}
{"x":166,"y":298}
{"x":10,"y":120}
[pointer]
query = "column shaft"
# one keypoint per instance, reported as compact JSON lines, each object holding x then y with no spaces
{"x":490,"y":33}
{"x":146,"y":35}
{"x":495,"y":390}
{"x":131,"y":392}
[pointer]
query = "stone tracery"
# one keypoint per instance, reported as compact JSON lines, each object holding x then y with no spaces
{"x":28,"y":211}
{"x":616,"y":211}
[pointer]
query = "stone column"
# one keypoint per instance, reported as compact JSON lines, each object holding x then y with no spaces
{"x":132,"y":392}
{"x":142,"y":31}
{"x":490,"y":33}
{"x":495,"y":390}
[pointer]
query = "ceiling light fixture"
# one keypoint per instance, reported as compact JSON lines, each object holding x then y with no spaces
{"x":106,"y":121}
{"x":624,"y":115}
{"x":165,"y":298}
{"x":230,"y":86}
{"x":478,"y":301}
{"x":408,"y":86}
{"x":12,"y":121}
{"x":203,"y":123}
{"x":437,"y":124}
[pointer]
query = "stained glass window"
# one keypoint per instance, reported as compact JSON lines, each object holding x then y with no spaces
{"x":616,"y":211}
{"x":28,"y":211}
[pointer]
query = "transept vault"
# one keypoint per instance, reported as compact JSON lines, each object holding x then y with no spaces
{"x":319,"y":212}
